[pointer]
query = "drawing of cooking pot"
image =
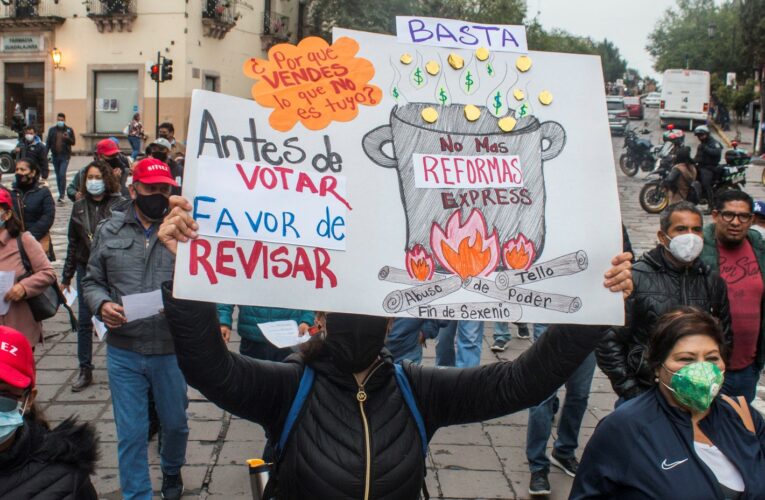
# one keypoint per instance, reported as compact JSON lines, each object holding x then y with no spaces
{"x":532,"y":142}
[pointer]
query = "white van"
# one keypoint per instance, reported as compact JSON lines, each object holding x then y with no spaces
{"x":684,"y":98}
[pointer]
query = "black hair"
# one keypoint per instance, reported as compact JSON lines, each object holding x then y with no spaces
{"x":683,"y":155}
{"x":168,"y":126}
{"x":29,"y":127}
{"x":665,"y":219}
{"x":111,"y":183}
{"x":33,"y":166}
{"x":675,"y":325}
{"x":733,"y":195}
{"x":62,"y":115}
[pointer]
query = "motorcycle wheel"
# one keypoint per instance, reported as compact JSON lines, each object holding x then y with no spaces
{"x":6,"y":163}
{"x":763,"y":175}
{"x":628,"y":167}
{"x":653,"y":198}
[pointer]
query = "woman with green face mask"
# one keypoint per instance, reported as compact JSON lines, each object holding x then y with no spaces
{"x":682,"y":439}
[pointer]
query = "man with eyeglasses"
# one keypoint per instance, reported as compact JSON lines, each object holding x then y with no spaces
{"x":737,"y":252}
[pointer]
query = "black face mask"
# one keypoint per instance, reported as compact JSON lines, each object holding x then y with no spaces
{"x":161,"y":156}
{"x":354,"y":341}
{"x":153,"y":206}
{"x":23,"y":180}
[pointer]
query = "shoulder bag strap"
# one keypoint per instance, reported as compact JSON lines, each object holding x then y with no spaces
{"x":306,"y":382}
{"x":23,"y":255}
{"x":406,"y":390}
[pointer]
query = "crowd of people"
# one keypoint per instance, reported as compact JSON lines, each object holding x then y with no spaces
{"x":350,"y":412}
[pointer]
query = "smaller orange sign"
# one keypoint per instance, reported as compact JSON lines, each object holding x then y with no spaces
{"x":313,"y":82}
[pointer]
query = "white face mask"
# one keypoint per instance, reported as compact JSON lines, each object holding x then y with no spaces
{"x":686,"y":247}
{"x":29,"y":137}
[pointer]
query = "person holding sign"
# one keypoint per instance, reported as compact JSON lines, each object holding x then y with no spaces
{"x":127,"y":260}
{"x":356,"y":435}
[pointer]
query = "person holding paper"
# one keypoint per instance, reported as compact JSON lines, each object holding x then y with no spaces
{"x":100,"y":191}
{"x":356,"y":437}
{"x":25,"y":284}
{"x":127,"y":259}
{"x":254,"y":344}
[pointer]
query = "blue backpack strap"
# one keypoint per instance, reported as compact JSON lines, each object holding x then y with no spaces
{"x":406,"y":390}
{"x":306,"y":381}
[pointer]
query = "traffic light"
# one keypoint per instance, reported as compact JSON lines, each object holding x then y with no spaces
{"x":167,"y":69}
{"x":154,"y":72}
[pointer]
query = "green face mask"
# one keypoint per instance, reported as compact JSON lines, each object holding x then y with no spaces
{"x":695,"y":385}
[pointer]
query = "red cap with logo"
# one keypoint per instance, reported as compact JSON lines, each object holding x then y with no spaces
{"x":17,"y":363}
{"x":5,"y":198}
{"x":107,"y":148}
{"x":152,"y":171}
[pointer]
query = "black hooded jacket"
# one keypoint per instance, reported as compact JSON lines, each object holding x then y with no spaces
{"x":50,"y":465}
{"x":660,"y":287}
{"x":345,"y":446}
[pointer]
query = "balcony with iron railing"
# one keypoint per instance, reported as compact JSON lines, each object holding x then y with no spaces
{"x":29,"y":14}
{"x":276,"y":29}
{"x":112,"y":15}
{"x":218,"y":17}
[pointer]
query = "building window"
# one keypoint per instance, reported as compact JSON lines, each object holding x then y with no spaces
{"x":116,"y":100}
{"x":211,"y":83}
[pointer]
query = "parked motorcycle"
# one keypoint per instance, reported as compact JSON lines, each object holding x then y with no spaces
{"x":732,"y":176}
{"x":642,"y":155}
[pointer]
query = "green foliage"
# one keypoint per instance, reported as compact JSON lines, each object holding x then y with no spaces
{"x":735,"y":99}
{"x":752,"y":22}
{"x":700,"y":34}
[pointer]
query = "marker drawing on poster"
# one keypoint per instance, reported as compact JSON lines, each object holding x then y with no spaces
{"x":433,"y":178}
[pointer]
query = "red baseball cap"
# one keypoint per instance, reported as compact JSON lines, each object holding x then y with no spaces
{"x":153,"y":171}
{"x":107,"y":148}
{"x":17,"y":363}
{"x":5,"y":198}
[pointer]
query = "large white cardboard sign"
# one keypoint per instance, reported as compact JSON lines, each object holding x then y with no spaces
{"x":385,"y":178}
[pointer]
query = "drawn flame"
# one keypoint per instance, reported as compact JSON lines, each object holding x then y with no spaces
{"x":419,"y":263}
{"x":518,"y":253}
{"x":465,"y":249}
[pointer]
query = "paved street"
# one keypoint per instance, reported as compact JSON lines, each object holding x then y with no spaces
{"x":467,"y":462}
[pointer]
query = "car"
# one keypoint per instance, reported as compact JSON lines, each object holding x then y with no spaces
{"x":634,"y":107}
{"x":652,"y":100}
{"x":8,"y":141}
{"x":618,"y":116}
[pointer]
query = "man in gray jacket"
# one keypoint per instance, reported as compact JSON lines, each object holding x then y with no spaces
{"x":126,"y":258}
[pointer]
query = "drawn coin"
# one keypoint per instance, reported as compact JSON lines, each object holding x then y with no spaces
{"x":519,"y":95}
{"x":406,"y":58}
{"x":456,"y":61}
{"x":472,"y":113}
{"x":523,"y":63}
{"x":430,"y":115}
{"x":507,"y":123}
{"x":545,"y":97}
{"x":482,"y":54}
{"x":432,"y":68}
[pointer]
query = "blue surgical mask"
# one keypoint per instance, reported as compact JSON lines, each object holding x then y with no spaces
{"x":2,"y":218}
{"x":95,"y":186}
{"x":11,"y":420}
{"x":60,"y":124}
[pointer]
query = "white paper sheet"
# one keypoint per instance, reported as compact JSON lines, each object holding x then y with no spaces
{"x":142,"y":305}
{"x":70,"y":294}
{"x":100,"y":328}
{"x":282,"y":333}
{"x":7,"y":279}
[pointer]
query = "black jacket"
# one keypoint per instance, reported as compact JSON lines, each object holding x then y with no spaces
{"x":659,"y":288}
{"x":67,"y":141}
{"x":709,"y":153}
{"x":326,"y":454}
{"x":86,"y":214}
{"x":50,"y":465}
{"x":35,"y":207}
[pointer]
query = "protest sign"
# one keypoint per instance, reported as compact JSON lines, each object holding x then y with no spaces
{"x":386,"y":178}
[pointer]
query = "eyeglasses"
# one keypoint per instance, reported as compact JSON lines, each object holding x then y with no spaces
{"x":743,"y":217}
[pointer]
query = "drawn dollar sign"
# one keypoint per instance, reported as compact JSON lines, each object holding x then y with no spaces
{"x":442,"y":96}
{"x":418,"y":79}
{"x":523,"y":111}
{"x":497,"y":102}
{"x":489,"y":69}
{"x":395,"y":92}
{"x":468,"y":81}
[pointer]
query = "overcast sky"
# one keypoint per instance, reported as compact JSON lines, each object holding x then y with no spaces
{"x":624,"y":22}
